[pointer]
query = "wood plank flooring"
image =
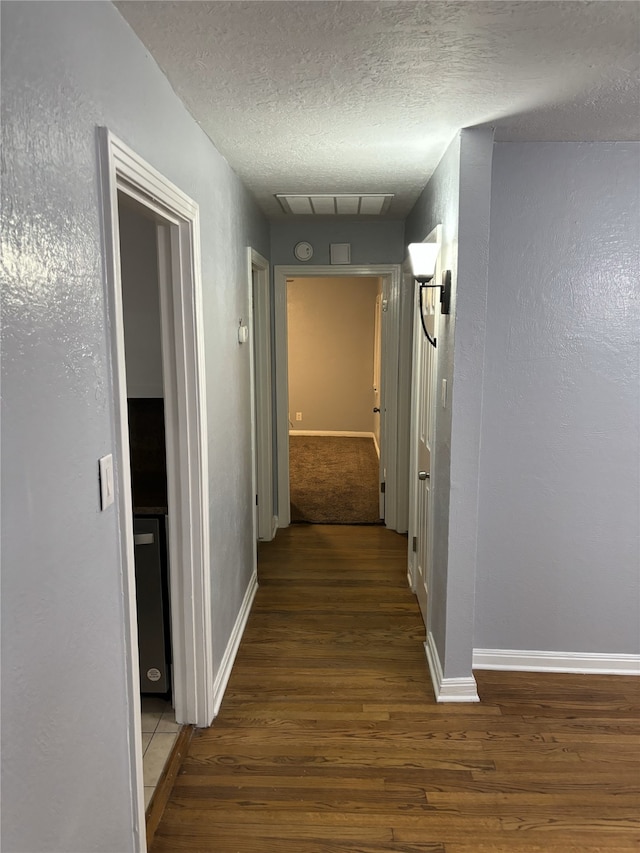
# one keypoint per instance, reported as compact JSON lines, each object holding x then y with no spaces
{"x":329,"y":739}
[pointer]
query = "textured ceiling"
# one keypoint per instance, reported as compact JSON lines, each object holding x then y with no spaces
{"x":361,"y":96}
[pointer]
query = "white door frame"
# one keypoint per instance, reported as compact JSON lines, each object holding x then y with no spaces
{"x":187,"y":468}
{"x":261,"y":394}
{"x":390,"y":273}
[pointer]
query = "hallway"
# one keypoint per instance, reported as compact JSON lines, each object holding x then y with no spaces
{"x":329,"y":739}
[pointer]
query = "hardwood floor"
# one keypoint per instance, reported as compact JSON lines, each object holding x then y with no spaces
{"x":329,"y":739}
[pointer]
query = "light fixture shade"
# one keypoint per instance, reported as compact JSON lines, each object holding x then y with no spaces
{"x":423,"y":258}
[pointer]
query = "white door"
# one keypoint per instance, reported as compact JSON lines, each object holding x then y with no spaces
{"x":422,"y":443}
{"x":388,"y":410}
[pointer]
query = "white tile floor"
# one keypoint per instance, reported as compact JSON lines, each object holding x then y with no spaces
{"x":159,"y":733}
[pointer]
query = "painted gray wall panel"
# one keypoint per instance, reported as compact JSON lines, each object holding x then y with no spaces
{"x":458,"y":197}
{"x":558,"y":551}
{"x":67,"y":67}
{"x":476,"y":154}
{"x":140,"y":303}
{"x":374,"y":242}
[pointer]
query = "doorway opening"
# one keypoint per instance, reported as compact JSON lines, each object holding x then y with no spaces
{"x":148,"y":458}
{"x":175,"y":218}
{"x":334,"y":399}
{"x":392,"y":448}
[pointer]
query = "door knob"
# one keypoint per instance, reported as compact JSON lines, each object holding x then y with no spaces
{"x":424,"y":475}
{"x":376,"y":409}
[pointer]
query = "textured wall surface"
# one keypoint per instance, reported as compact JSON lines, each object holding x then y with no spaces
{"x":458,"y":198}
{"x":476,"y":154}
{"x":371,"y":242}
{"x":67,"y":67}
{"x":558,"y":551}
{"x":330,"y":347}
{"x":140,"y":303}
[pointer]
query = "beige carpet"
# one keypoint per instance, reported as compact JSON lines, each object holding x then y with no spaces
{"x":334,"y":480}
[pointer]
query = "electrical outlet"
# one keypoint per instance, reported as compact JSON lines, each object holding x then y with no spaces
{"x":298,"y":416}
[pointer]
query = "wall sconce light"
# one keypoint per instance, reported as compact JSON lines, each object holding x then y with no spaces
{"x":423,"y":257}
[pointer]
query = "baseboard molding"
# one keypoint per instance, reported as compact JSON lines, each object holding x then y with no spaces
{"x":220,"y":683}
{"x":534,"y":661}
{"x":448,"y":689}
{"x":375,"y":443}
{"x":344,"y":433}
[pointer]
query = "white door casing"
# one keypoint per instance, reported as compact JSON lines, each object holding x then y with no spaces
{"x":390,"y":274}
{"x":122,"y":170}
{"x":261,"y":393}
{"x":377,"y":375}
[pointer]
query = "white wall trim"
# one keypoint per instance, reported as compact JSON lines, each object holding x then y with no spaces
{"x":222,"y":678}
{"x":121,"y":169}
{"x":335,"y":432}
{"x":537,"y":661}
{"x":259,"y":312}
{"x":448,"y":689}
{"x":274,"y":526}
{"x":390,"y":273}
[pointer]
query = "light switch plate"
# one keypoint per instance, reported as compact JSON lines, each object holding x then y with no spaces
{"x":106,"y":481}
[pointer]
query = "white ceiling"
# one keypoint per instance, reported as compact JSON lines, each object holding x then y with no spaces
{"x":323,"y":97}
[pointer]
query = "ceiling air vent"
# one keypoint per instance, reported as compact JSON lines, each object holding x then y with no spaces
{"x":324,"y":204}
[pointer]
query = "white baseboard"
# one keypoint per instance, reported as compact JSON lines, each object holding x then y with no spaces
{"x":448,"y":689}
{"x":375,"y":443}
{"x":220,"y":683}
{"x":344,"y":433}
{"x":534,"y":661}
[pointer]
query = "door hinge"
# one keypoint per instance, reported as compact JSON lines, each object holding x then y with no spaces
{"x":415,"y":544}
{"x":382,"y":487}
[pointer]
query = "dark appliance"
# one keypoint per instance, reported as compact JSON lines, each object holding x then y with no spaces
{"x":149,"y":536}
{"x":149,"y":486}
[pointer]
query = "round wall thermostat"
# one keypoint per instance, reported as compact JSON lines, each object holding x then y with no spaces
{"x":303,"y":251}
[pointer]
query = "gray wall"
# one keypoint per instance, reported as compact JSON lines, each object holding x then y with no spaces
{"x":140,"y":303}
{"x":67,"y":67}
{"x":458,"y":197}
{"x":558,"y":554}
{"x":330,"y":352}
{"x":378,"y":242}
